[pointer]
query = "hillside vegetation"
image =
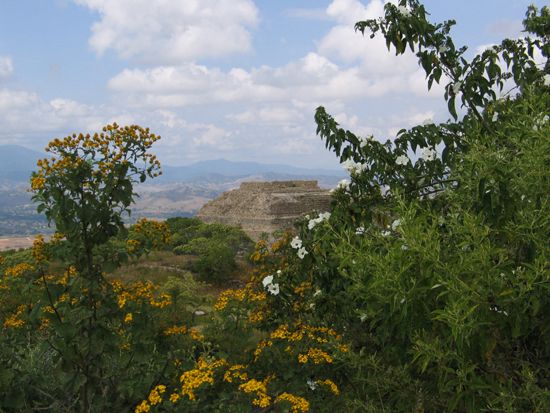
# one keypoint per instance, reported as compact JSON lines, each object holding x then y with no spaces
{"x":426,"y":289}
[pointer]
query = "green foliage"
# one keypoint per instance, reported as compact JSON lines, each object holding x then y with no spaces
{"x":427,"y":289}
{"x":216,"y":262}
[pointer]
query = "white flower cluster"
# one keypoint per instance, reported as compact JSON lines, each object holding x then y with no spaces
{"x":324,"y":216}
{"x":296,"y":243}
{"x":354,"y":167}
{"x":270,"y":286}
{"x":428,"y":154}
{"x":342,"y":185}
{"x":404,"y":11}
{"x":395,"y":224}
{"x":456,"y":87}
{"x":364,"y":141}
{"x":402,"y":160}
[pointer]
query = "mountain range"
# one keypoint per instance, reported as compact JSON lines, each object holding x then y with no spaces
{"x":179,"y":191}
{"x":17,"y":163}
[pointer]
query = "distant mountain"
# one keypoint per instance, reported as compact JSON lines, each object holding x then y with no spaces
{"x":180,"y":191}
{"x":218,"y":168}
{"x":17,"y":163}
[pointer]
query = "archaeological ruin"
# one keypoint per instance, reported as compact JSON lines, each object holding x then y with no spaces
{"x":265,"y":207}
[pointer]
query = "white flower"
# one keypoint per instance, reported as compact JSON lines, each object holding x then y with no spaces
{"x":495,"y":117}
{"x":296,"y":243}
{"x":317,"y":293}
{"x":546,"y":80}
{"x":429,"y":154}
{"x":456,"y":87}
{"x":279,"y":272}
{"x":385,"y":233}
{"x":267,"y":280}
{"x":403,"y":11}
{"x":443,"y":49}
{"x":402,"y":160}
{"x":343,"y":184}
{"x":324,"y":216}
{"x":353,"y":167}
{"x":302,"y":253}
{"x":404,"y":247}
{"x":395,"y":224}
{"x":311,"y":384}
{"x":273,"y":289}
{"x":360,"y":230}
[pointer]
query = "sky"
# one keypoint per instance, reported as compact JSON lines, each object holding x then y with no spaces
{"x":233,"y":79}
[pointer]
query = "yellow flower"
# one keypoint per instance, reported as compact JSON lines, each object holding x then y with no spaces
{"x":331,"y":385}
{"x":155,"y":395}
{"x":316,"y":355}
{"x":174,"y":397}
{"x":299,"y":404}
{"x":175,"y":330}
{"x":195,"y":334}
{"x":129,"y":318}
{"x":13,"y":321}
{"x":260,"y":388}
{"x":203,"y":373}
{"x":143,"y":407}
{"x":38,"y":182}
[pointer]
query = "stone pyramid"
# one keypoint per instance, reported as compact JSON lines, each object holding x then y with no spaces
{"x":265,"y":207}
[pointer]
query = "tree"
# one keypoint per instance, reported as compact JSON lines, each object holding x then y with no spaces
{"x":84,"y":189}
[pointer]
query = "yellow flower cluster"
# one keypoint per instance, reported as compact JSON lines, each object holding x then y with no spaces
{"x":256,"y":317}
{"x":155,"y":231}
{"x":38,"y":182}
{"x":163,"y":300}
{"x":19,"y":270}
{"x":140,"y":291}
{"x":235,"y":372}
{"x":331,"y":385}
{"x":261,"y":251}
{"x":260,"y":348}
{"x":202,"y":373}
{"x":316,"y":355}
{"x":283,"y":333}
{"x":225,"y":296}
{"x":299,"y":404}
{"x":39,"y":249}
{"x":302,"y":288}
{"x":13,"y":321}
{"x":132,"y":246}
{"x":260,"y":388}
{"x":195,"y":334}
{"x":155,"y":395}
{"x":100,"y":155}
{"x":171,"y":331}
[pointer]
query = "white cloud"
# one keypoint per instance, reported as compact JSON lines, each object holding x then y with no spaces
{"x":6,"y":66}
{"x":167,"y":31}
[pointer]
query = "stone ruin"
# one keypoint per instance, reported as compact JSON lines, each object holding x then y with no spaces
{"x":265,"y":207}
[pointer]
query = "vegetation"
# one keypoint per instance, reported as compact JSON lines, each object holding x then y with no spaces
{"x":425,"y":289}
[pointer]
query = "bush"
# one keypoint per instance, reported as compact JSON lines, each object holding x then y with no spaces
{"x":216,"y":262}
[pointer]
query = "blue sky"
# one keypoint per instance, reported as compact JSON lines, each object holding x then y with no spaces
{"x":237,"y":79}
